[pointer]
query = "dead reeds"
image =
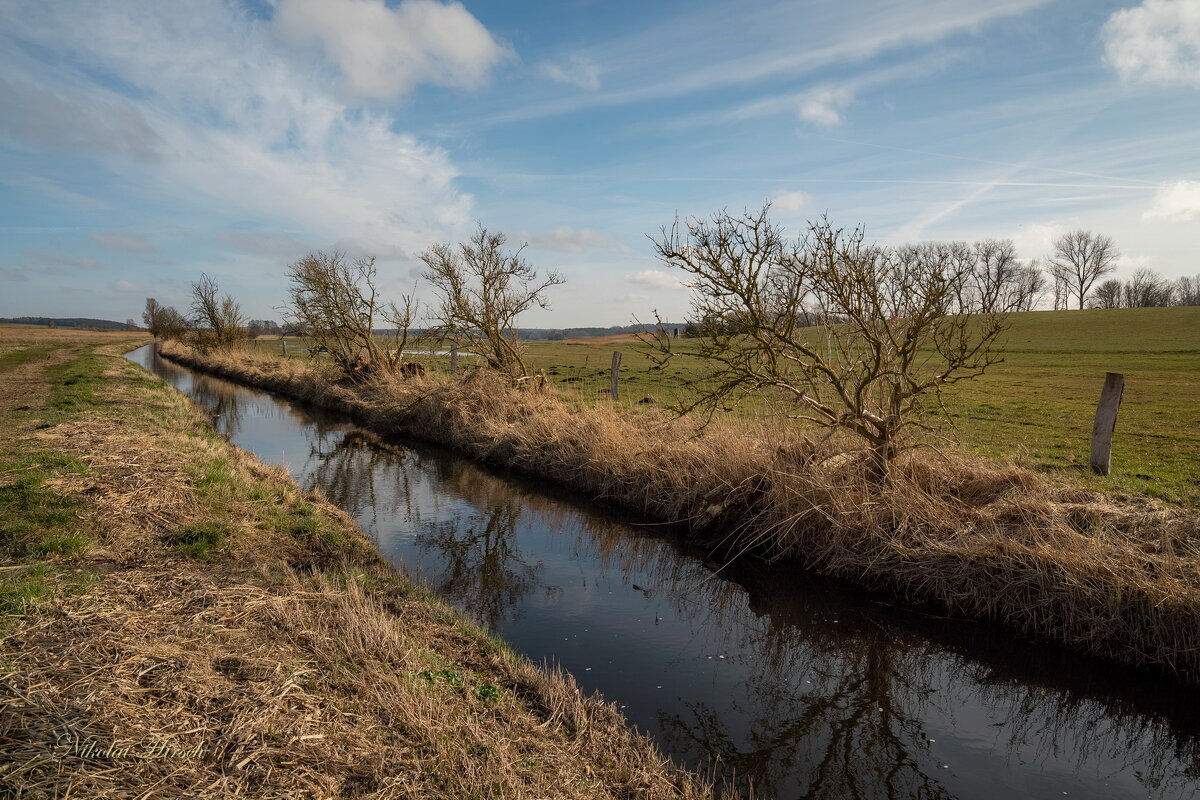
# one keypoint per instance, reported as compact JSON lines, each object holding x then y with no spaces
{"x":286,"y":661}
{"x":1117,"y":578}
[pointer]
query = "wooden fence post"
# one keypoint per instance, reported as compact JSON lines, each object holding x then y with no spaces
{"x":1106,"y":422}
{"x":454,"y":359}
{"x":616,"y":370}
{"x":283,"y":342}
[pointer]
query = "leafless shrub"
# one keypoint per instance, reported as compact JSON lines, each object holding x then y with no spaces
{"x":336,"y":303}
{"x":1028,"y":287}
{"x":218,"y":321}
{"x":483,"y":289}
{"x":884,"y":346}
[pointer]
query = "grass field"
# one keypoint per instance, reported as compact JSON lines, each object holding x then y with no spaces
{"x":1036,"y":407}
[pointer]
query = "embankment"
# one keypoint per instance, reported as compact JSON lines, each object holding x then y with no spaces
{"x":181,"y":621}
{"x":1116,"y":578}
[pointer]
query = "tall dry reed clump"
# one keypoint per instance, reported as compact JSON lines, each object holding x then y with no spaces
{"x":1118,"y":578}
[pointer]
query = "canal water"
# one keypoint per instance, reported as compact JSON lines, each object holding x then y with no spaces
{"x":791,"y":684}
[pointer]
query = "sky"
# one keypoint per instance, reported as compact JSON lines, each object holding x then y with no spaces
{"x":143,"y":142}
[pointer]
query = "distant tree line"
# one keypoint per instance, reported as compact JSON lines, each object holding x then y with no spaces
{"x":1147,"y":289}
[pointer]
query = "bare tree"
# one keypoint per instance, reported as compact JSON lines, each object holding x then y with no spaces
{"x":995,"y":274}
{"x":1080,"y":259}
{"x":1187,"y":291}
{"x":1028,"y":287}
{"x":1108,"y":294}
{"x":483,"y":289}
{"x":218,"y":320}
{"x":336,"y":303}
{"x":1146,"y":289}
{"x":886,"y":344}
{"x":963,"y":259}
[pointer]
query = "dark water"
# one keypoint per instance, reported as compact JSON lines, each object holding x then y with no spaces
{"x":799,"y":686}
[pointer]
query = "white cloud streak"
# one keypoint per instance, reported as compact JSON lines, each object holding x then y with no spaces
{"x":655,"y":279}
{"x":740,"y":45}
{"x":577,"y":71}
{"x":567,"y":240}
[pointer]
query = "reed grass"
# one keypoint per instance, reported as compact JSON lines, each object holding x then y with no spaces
{"x":220,"y":633}
{"x":1113,"y":577}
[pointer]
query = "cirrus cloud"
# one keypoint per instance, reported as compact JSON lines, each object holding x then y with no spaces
{"x":577,"y":71}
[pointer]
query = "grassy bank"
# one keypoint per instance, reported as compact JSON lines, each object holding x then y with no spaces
{"x":181,"y":621}
{"x":1037,"y":406}
{"x":1115,"y":578}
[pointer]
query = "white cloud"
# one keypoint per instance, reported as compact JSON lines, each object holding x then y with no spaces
{"x":127,"y":287}
{"x":578,"y":71}
{"x":1177,"y":202}
{"x":790,"y":203}
{"x":219,"y":116}
{"x":566,"y":240}
{"x":1037,"y":240}
{"x":824,"y":106}
{"x":384,"y":52}
{"x":1156,"y":42}
{"x":654,"y":279}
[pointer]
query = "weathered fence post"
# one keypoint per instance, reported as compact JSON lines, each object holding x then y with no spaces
{"x":1106,"y":421}
{"x":616,"y":371}
{"x":283,"y":342}
{"x":454,"y":359}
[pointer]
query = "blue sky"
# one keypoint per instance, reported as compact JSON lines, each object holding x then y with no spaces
{"x":143,"y":142}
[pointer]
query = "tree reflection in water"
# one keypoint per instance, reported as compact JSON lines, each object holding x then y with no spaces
{"x":483,"y":571}
{"x":841,"y":692}
{"x":841,"y":695}
{"x":221,"y":400}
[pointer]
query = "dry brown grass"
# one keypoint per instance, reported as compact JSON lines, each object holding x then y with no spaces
{"x":1118,"y":578}
{"x":290,"y":663}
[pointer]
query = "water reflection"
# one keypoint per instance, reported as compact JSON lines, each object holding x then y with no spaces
{"x":796,"y":686}
{"x":484,"y":571}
